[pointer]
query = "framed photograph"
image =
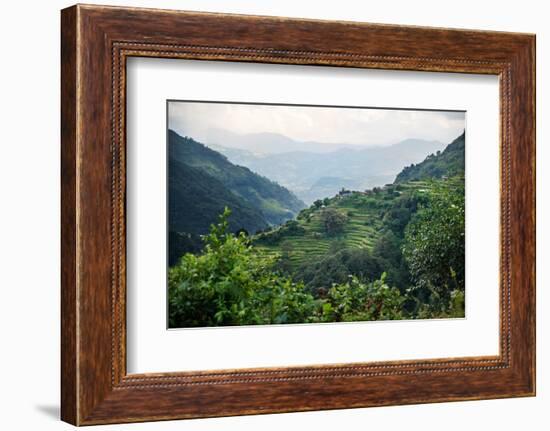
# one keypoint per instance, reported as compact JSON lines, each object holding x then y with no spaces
{"x":263,"y":214}
{"x":272,"y":230}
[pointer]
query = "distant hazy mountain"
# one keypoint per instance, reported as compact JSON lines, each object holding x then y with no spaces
{"x":217,"y":182}
{"x":266,"y":143}
{"x":314,"y":175}
{"x":449,"y":162}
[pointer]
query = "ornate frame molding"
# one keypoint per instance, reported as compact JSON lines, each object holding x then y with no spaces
{"x":96,"y":41}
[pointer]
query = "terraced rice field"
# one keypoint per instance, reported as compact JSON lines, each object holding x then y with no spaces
{"x":360,"y":232}
{"x":362,"y":229}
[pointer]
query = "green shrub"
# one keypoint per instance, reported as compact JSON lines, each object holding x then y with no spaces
{"x":354,"y":301}
{"x":231,"y":284}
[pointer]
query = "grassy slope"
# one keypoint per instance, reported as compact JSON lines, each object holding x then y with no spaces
{"x":362,"y":229}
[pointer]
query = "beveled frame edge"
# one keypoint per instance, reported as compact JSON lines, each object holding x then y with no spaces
{"x":96,"y":41}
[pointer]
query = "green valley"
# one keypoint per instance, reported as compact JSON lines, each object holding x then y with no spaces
{"x":244,"y":250}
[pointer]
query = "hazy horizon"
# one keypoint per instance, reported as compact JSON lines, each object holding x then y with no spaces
{"x":224,"y":123}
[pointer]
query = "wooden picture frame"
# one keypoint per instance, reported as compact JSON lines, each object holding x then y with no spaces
{"x":95,"y":43}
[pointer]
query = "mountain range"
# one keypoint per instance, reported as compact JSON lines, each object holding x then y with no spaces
{"x":315,"y":175}
{"x":266,"y":143}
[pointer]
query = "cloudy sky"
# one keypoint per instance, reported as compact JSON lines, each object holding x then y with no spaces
{"x":351,"y":126}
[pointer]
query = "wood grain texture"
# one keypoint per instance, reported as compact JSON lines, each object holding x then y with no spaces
{"x":96,"y":41}
{"x":69,"y":397}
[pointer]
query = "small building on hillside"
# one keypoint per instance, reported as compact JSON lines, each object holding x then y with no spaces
{"x":344,"y":192}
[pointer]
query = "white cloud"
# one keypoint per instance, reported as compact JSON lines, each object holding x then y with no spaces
{"x":355,"y":126}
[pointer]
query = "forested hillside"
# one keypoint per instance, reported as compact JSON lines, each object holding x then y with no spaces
{"x":202,"y":182}
{"x":276,"y":203}
{"x":449,"y":162}
{"x":197,"y":198}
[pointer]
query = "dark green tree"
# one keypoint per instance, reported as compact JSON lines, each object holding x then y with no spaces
{"x":434,"y":246}
{"x":333,"y":220}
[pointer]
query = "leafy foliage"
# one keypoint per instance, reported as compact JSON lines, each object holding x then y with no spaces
{"x":354,"y":300}
{"x":336,"y":267}
{"x":333,"y":221}
{"x":434,"y":247}
{"x":387,"y":252}
{"x":231,"y":284}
